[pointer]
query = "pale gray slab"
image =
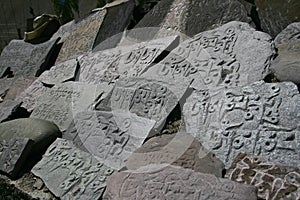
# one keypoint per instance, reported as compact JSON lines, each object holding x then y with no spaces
{"x":260,"y":119}
{"x":7,"y":108}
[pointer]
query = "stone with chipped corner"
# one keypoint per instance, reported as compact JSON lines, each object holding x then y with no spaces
{"x":70,"y":173}
{"x":260,"y":119}
{"x":161,"y":182}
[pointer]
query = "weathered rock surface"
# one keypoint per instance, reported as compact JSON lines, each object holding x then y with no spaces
{"x":25,"y":59}
{"x":7,"y":108}
{"x":192,"y":16}
{"x":229,"y":56}
{"x":275,"y":15}
{"x":17,"y":85}
{"x":173,"y":183}
{"x":70,"y":173}
{"x":272,"y":181}
{"x":261,"y":119}
{"x":180,"y":149}
{"x":287,"y":65}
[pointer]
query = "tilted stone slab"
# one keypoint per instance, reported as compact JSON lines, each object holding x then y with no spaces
{"x":112,"y":136}
{"x":13,"y":154}
{"x":180,"y":149}
{"x":60,"y":73}
{"x":7,"y":108}
{"x":4,"y":86}
{"x":229,"y":56}
{"x":191,"y":17}
{"x":272,"y":181}
{"x":260,"y":119}
{"x":173,"y":183}
{"x":289,"y":34}
{"x":70,"y":173}
{"x":10,"y":88}
{"x":25,"y":59}
{"x":125,"y":61}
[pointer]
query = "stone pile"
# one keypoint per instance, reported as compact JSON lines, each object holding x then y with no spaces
{"x":211,"y":115}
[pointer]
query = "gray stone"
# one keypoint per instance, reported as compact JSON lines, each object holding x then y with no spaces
{"x":174,"y":183}
{"x":70,"y":173}
{"x":41,"y":132}
{"x":260,"y":119}
{"x":275,"y":15}
{"x":4,"y":86}
{"x":25,"y":59}
{"x":13,"y":154}
{"x":287,"y":65}
{"x":60,"y":73}
{"x":180,"y":149}
{"x":272,"y":181}
{"x":17,"y":85}
{"x":7,"y":108}
{"x":112,"y":136}
{"x":192,"y":16}
{"x":231,"y":55}
{"x":126,"y":61}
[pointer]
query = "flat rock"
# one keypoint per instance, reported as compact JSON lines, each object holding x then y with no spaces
{"x":287,"y":65}
{"x":126,"y":61}
{"x":70,"y":173}
{"x":25,"y":59}
{"x":112,"y":136}
{"x":275,"y":15}
{"x":173,"y":183}
{"x":7,"y":108}
{"x":180,"y":149}
{"x":13,"y":154}
{"x":272,"y":181}
{"x":260,"y":119}
{"x":229,"y":56}
{"x":191,"y":17}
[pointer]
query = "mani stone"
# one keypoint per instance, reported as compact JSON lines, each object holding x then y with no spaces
{"x":25,"y":59}
{"x":229,"y":56}
{"x":112,"y":136}
{"x":191,"y":17}
{"x":13,"y":154}
{"x":62,"y":72}
{"x":94,"y":29}
{"x":125,"y":61}
{"x":180,"y":149}
{"x":275,"y":15}
{"x":8,"y":108}
{"x":70,"y":173}
{"x":287,"y":65}
{"x":161,"y":182}
{"x":272,"y":181}
{"x":261,"y":119}
{"x":63,"y":101}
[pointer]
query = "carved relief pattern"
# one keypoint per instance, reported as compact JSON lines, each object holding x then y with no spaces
{"x":272,"y":181}
{"x":258,"y":119}
{"x":71,"y":173}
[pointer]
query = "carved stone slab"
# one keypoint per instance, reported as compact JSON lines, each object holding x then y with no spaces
{"x":7,"y":108}
{"x":272,"y":181}
{"x":26,"y":59}
{"x":260,"y":119}
{"x":13,"y":154}
{"x":112,"y":136}
{"x":231,"y":55}
{"x":174,"y":183}
{"x":126,"y":61}
{"x":70,"y":173}
{"x":193,"y":16}
{"x":60,"y":73}
{"x":18,"y":85}
{"x":62,"y":102}
{"x":180,"y":149}
{"x":289,"y":34}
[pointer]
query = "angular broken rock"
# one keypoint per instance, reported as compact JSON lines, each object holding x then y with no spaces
{"x":260,"y":119}
{"x":112,"y":136}
{"x":272,"y":181}
{"x":231,"y":55}
{"x":70,"y":173}
{"x":25,"y":59}
{"x":18,"y":85}
{"x":13,"y":154}
{"x":180,"y":149}
{"x":126,"y":61}
{"x":191,"y":17}
{"x":8,"y":108}
{"x":174,"y":183}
